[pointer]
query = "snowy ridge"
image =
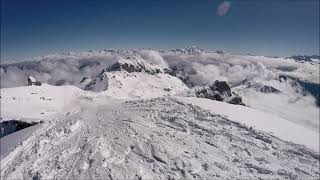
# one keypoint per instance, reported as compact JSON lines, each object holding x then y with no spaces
{"x":193,"y":50}
{"x":285,"y":101}
{"x":141,"y":85}
{"x":257,"y":86}
{"x":151,"y":139}
{"x":136,"y":78}
{"x":37,"y":102}
{"x":135,"y":65}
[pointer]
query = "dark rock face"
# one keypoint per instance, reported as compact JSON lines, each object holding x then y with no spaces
{"x":236,"y":100}
{"x":181,"y":74}
{"x":138,"y":67}
{"x":222,"y":87}
{"x":269,"y":89}
{"x":219,"y":52}
{"x":219,"y":91}
{"x":169,"y":71}
{"x":130,"y":65}
{"x":83,"y":79}
{"x":100,"y":83}
{"x":37,"y":83}
{"x":262,"y":88}
{"x":206,"y":92}
{"x":33,"y":81}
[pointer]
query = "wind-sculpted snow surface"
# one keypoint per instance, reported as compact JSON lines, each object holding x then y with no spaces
{"x":152,"y":139}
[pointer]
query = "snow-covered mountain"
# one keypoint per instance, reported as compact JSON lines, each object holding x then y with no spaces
{"x":305,"y":58}
{"x":147,"y":114}
{"x":136,"y":78}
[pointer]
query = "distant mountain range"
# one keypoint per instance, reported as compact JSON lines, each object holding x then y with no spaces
{"x":309,"y":58}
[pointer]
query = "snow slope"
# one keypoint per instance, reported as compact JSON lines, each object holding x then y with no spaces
{"x":263,"y":121}
{"x":290,"y":103}
{"x":141,"y":85}
{"x":136,"y":78}
{"x":152,"y":139}
{"x":37,"y":102}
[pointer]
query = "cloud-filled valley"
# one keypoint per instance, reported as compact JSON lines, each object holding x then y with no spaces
{"x":202,"y":68}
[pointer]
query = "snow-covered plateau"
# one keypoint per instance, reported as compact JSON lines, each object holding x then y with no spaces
{"x":160,"y":114}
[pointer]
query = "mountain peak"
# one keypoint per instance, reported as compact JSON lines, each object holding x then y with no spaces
{"x":134,"y":64}
{"x":188,"y":50}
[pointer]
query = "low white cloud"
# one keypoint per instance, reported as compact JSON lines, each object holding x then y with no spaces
{"x":199,"y":68}
{"x":153,"y":57}
{"x":55,"y":71}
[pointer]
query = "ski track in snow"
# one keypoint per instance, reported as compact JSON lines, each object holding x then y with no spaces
{"x":152,"y":139}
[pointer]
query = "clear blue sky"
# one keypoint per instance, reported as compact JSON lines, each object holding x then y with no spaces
{"x":266,"y":27}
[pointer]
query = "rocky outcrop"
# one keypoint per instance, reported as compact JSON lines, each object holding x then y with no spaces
{"x":130,"y":65}
{"x":222,"y":87}
{"x":84,"y":82}
{"x":100,"y":83}
{"x":262,"y":87}
{"x":219,"y":91}
{"x":127,"y":66}
{"x":235,"y":100}
{"x":134,"y":65}
{"x":33,"y":81}
{"x":245,"y":86}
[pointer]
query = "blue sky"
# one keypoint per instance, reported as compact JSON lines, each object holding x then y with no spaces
{"x":266,"y":27}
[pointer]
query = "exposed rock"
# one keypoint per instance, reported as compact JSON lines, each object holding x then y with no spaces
{"x":128,"y":68}
{"x":259,"y":169}
{"x":134,"y":65}
{"x":33,"y":81}
{"x":222,"y":87}
{"x":100,"y":83}
{"x":257,"y":86}
{"x":264,"y":139}
{"x":219,"y":52}
{"x":219,"y":91}
{"x":235,"y":100}
{"x":169,"y":71}
{"x":179,"y":73}
{"x":83,"y":79}
{"x":262,"y":88}
{"x":84,"y":82}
